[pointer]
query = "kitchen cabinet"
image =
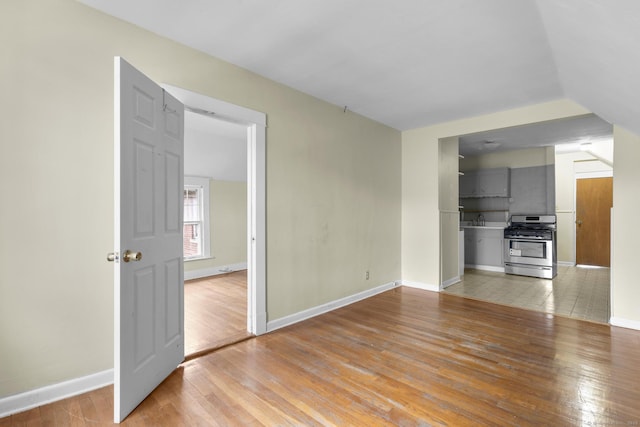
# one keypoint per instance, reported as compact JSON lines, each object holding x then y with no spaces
{"x":533,"y":190}
{"x":483,"y":247}
{"x":485,"y":183}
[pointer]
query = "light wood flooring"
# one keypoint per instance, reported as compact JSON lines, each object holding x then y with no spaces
{"x":578,"y":292}
{"x":215,"y":312}
{"x":406,"y":357}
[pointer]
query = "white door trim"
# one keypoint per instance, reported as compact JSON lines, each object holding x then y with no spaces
{"x":595,"y":174}
{"x":256,"y":123}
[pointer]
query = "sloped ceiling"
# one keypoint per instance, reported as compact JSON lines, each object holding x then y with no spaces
{"x":412,"y":63}
{"x":595,"y":48}
{"x":214,"y":148}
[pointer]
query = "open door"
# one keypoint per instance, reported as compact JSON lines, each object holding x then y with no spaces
{"x":149,"y":276}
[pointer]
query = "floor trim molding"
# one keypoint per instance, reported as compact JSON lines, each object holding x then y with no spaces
{"x":214,"y":271}
{"x":324,"y":308}
{"x":41,"y":396}
{"x":450,"y":282}
{"x":419,"y":285}
{"x":625,"y":323}
{"x":485,"y":268}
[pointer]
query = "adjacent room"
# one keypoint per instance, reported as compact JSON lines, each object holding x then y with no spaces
{"x":394,"y":215}
{"x":215,"y":233}
{"x":561,"y":171}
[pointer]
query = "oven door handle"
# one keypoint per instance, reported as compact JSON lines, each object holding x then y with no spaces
{"x":531,"y":240}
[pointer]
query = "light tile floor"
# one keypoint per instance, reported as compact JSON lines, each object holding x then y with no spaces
{"x":578,"y":292}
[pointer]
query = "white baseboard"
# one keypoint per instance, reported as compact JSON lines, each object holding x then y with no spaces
{"x":213,"y":271}
{"x":51,"y":393}
{"x":450,"y":282}
{"x":624,"y":323}
{"x":485,"y":268}
{"x":418,"y":285}
{"x":324,"y":308}
{"x":567,"y":263}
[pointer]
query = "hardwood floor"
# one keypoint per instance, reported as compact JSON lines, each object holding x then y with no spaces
{"x":215,"y":312}
{"x":405,"y":357}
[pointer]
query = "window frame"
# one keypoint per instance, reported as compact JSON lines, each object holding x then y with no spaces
{"x":191,"y":182}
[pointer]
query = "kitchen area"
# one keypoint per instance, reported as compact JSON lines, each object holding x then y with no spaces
{"x":514,"y":239}
{"x":507,"y":217}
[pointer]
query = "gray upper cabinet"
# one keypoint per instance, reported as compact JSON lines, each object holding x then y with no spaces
{"x":467,"y":184}
{"x":534,"y":190}
{"x":485,"y":183}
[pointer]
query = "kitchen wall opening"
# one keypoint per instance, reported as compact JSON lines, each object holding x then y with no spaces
{"x":528,"y":173}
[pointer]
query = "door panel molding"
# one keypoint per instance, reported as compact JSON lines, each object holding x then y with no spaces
{"x":148,"y":287}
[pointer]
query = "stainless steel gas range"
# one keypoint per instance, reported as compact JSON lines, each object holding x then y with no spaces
{"x":530,"y":246}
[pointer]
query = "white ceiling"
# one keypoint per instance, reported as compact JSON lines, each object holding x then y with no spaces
{"x":568,"y":132}
{"x":412,"y":63}
{"x":214,"y":148}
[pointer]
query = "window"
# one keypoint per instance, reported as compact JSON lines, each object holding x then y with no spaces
{"x":195,"y":231}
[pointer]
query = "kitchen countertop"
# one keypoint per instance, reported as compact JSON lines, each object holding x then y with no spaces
{"x":487,"y":226}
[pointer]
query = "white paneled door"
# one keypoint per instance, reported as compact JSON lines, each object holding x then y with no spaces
{"x":149,"y":294}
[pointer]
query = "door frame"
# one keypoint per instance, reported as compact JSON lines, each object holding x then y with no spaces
{"x":576,"y":177}
{"x":255,"y":123}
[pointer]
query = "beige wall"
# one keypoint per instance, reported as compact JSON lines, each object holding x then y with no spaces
{"x":420,"y":216}
{"x":333,"y":186}
{"x":625,"y":289}
{"x":228,"y":225}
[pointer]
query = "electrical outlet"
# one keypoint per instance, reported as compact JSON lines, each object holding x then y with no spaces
{"x":366,"y":275}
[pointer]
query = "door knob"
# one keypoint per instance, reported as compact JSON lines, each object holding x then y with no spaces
{"x":131,"y":256}
{"x":579,"y":222}
{"x":111,"y":257}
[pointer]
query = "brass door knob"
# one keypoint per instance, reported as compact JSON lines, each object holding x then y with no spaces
{"x":579,"y":222}
{"x":131,"y":256}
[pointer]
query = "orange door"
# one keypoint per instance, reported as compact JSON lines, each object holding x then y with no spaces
{"x":594,"y":199}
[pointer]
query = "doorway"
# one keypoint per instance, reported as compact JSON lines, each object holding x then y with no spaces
{"x":594,"y":200}
{"x":574,"y":158}
{"x":148,"y":218}
{"x":215,"y":233}
{"x":254,"y":124}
